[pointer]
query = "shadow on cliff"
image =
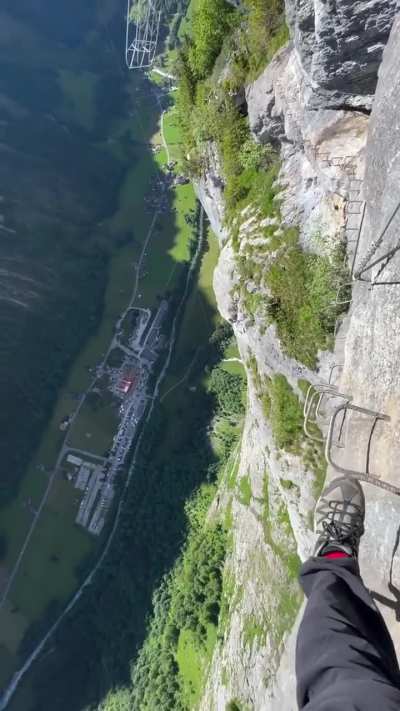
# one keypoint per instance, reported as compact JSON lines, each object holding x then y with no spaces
{"x":394,"y":602}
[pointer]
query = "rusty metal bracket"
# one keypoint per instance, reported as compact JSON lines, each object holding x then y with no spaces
{"x":337,"y":300}
{"x":366,"y":474}
{"x":333,"y":367}
{"x":311,"y":411}
{"x":383,"y":260}
{"x":307,"y":419}
{"x":358,"y":240}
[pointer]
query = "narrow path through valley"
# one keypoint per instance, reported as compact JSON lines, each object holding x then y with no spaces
{"x":183,"y":379}
{"x":163,"y":138}
{"x":161,"y":73}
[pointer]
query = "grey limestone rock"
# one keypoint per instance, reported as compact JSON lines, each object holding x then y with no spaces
{"x":266,"y":118}
{"x":323,"y":152}
{"x":210,"y":191}
{"x":340,"y":45}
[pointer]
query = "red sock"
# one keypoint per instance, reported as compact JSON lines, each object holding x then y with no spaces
{"x":336,"y":554}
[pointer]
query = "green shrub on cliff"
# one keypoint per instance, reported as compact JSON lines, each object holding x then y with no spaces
{"x":303,"y":289}
{"x":228,"y":47}
{"x":242,"y":40}
{"x":261,"y":32}
{"x":286,"y":414}
{"x":211,"y":21}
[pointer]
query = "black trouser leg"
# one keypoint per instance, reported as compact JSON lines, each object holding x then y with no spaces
{"x":345,"y":658}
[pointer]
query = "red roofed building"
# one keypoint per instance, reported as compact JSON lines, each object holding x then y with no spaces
{"x":128,"y":380}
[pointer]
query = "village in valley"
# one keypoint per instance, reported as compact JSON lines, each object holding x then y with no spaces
{"x":121,"y":382}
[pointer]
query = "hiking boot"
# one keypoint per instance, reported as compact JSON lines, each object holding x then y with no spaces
{"x":339,"y":517}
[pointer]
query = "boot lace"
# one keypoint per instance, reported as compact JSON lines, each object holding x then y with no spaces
{"x":342,"y":534}
{"x":335,"y":529}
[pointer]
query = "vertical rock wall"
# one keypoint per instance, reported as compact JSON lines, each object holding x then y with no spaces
{"x":301,"y":103}
{"x":339,"y":44}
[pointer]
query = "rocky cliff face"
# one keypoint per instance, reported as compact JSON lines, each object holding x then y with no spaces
{"x":339,"y":46}
{"x":308,"y":103}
